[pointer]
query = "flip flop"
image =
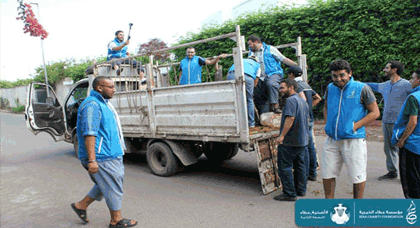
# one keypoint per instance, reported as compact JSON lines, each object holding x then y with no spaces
{"x":81,"y":213}
{"x":123,"y":223}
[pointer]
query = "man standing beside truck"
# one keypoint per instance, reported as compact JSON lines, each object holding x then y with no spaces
{"x":101,"y":147}
{"x":190,"y":67}
{"x":270,"y":59}
{"x":293,"y":140}
{"x":312,"y":98}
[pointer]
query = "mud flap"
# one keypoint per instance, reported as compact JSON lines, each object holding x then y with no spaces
{"x":267,"y":165}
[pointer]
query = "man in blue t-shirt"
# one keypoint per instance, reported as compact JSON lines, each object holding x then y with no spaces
{"x":394,"y":92}
{"x":293,"y":140}
{"x":312,"y":99}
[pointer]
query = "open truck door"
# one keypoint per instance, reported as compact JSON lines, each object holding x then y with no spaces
{"x":43,"y":111}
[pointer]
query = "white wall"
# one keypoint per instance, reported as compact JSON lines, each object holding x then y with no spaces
{"x":20,"y":92}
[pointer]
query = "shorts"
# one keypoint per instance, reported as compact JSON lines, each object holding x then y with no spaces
{"x":352,"y":152}
{"x":108,"y":182}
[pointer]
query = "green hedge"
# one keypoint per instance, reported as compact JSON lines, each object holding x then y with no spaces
{"x":367,"y":33}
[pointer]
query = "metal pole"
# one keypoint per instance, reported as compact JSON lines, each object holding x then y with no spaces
{"x":42,"y":49}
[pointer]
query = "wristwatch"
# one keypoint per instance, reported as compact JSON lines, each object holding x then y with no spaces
{"x":92,"y":161}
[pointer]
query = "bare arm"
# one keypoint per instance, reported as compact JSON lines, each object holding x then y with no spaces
{"x":411,"y":125}
{"x":180,"y":75}
{"x":316,"y":99}
{"x":257,"y":79}
{"x":215,"y":60}
{"x":302,"y":95}
{"x":287,"y":125}
{"x":324,"y":111}
{"x":289,"y":62}
{"x":373,"y":114}
{"x":117,"y":48}
{"x":90,"y":148}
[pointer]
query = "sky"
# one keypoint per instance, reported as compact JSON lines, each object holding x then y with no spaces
{"x":82,"y":29}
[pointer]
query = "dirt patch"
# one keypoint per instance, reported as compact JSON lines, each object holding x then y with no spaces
{"x":373,"y":130}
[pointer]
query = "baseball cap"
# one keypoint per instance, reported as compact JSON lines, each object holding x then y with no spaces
{"x":295,"y":70}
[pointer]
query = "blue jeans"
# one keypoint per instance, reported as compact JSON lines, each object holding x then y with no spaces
{"x":290,"y":157}
{"x":249,"y":87}
{"x":311,"y":152}
{"x":108,"y":182}
{"x":391,"y":151}
{"x":267,"y":92}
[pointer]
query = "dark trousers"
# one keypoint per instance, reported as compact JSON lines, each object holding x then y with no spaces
{"x":267,"y":92}
{"x":312,"y":162}
{"x":409,"y":167}
{"x":133,"y":62}
{"x":290,"y":157}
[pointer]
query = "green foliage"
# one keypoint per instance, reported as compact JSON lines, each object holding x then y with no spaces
{"x":19,"y":109}
{"x":74,"y":69}
{"x":20,"y":82}
{"x":366,"y":33}
{"x":4,"y":103}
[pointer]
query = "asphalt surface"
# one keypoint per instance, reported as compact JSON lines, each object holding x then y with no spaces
{"x":40,"y":178}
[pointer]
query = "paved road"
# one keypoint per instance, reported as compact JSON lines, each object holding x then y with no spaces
{"x":40,"y":178}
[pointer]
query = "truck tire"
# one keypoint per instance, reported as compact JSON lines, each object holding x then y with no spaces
{"x":233,"y":151}
{"x":161,"y":159}
{"x":76,"y":145}
{"x":219,"y":152}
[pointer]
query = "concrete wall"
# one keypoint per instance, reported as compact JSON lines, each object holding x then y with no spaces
{"x":13,"y":94}
{"x":62,"y":88}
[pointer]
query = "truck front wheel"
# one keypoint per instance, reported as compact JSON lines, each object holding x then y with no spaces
{"x":161,"y":159}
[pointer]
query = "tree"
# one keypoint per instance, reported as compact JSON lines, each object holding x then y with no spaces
{"x":153,"y":45}
{"x":31,"y":23}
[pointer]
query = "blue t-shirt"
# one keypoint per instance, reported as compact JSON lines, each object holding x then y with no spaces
{"x":298,"y":135}
{"x":394,"y":95}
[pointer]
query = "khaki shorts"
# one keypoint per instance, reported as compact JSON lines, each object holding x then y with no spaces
{"x":352,"y":152}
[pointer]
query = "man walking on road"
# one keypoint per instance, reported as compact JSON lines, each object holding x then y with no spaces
{"x":349,"y":106}
{"x":293,"y":140}
{"x":394,"y":92}
{"x":312,"y":99}
{"x":270,"y":59}
{"x":101,"y":147}
{"x":406,"y":136}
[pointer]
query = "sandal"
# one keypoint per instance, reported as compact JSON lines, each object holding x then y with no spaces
{"x":123,"y":223}
{"x":81,"y":213}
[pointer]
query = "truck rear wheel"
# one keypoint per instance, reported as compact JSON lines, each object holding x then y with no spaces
{"x":219,"y":152}
{"x":76,"y":145}
{"x":161,"y":159}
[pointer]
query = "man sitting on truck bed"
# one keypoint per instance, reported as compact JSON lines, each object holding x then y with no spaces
{"x":118,"y":49}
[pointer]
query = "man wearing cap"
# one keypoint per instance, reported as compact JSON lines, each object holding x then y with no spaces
{"x":118,"y":49}
{"x":252,"y":73}
{"x":312,"y":98}
{"x":394,"y":92}
{"x":267,"y":90}
{"x":190,"y":67}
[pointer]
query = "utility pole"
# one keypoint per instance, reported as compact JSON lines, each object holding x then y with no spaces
{"x":42,"y":49}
